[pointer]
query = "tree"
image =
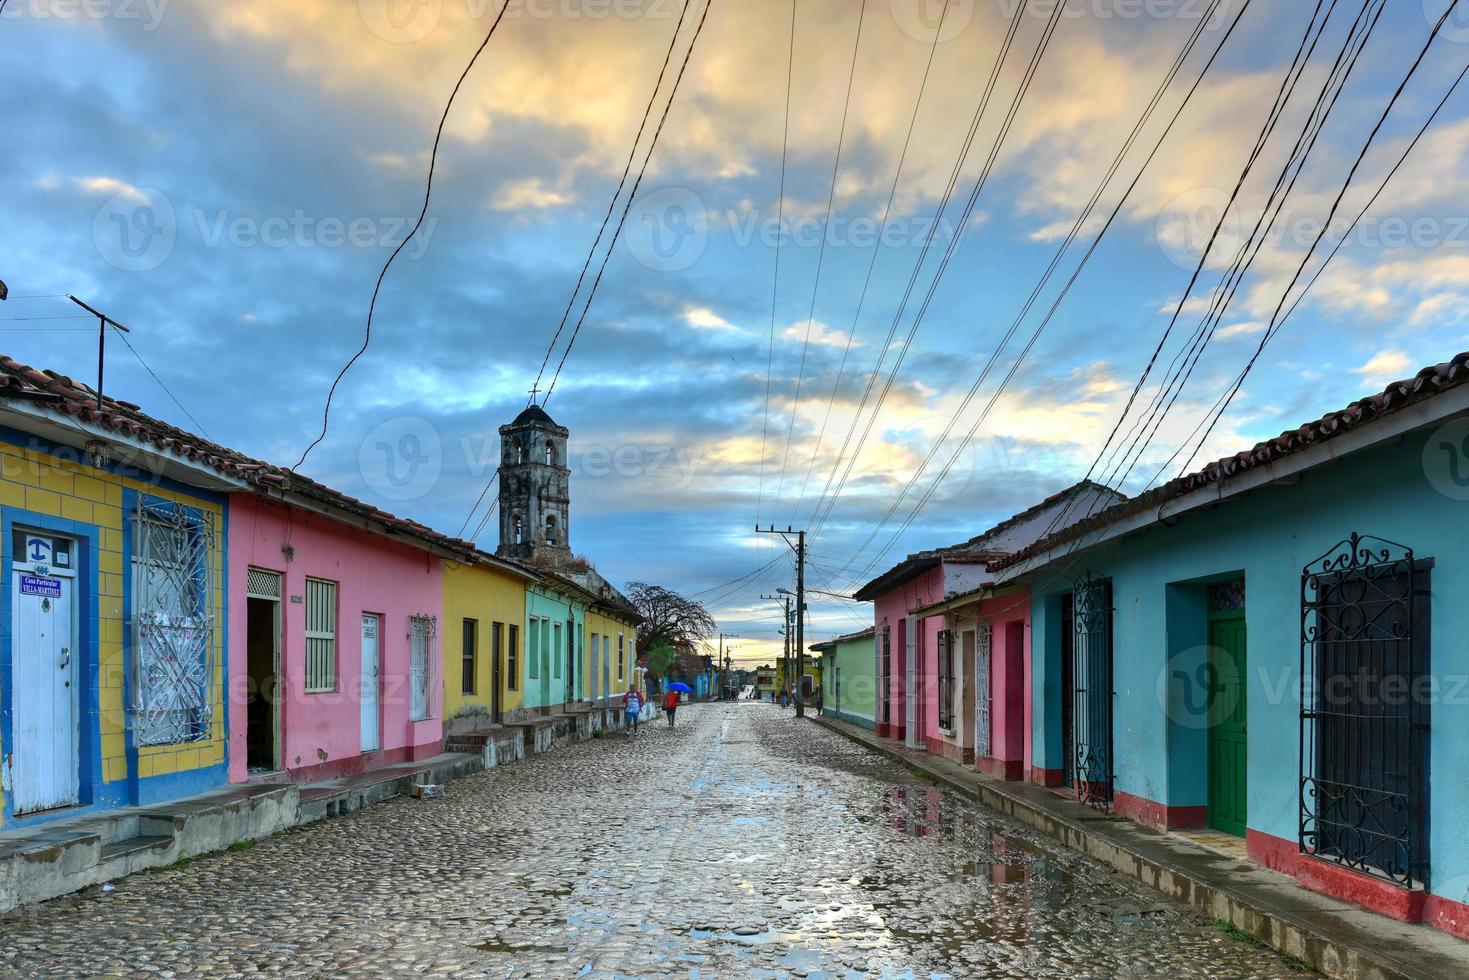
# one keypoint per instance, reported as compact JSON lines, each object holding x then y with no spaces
{"x":661,"y":657}
{"x":669,"y":619}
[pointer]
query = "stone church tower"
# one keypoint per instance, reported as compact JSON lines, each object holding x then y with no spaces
{"x":534,"y":500}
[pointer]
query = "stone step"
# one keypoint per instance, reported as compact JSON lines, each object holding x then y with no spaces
{"x":124,"y":848}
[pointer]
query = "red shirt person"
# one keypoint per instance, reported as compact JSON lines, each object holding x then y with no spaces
{"x":670,"y":706}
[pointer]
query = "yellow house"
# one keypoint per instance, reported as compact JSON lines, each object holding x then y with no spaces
{"x":484,"y":637}
{"x":611,"y":643}
{"x":112,"y":619}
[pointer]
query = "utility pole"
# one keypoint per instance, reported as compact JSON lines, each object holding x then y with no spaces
{"x":103,"y":321}
{"x":800,"y":640}
{"x":785,"y":632}
{"x":719,"y":664}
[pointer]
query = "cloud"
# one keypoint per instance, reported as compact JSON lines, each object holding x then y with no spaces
{"x":704,"y":318}
{"x":1385,"y":367}
{"x":528,"y":195}
{"x":819,"y":334}
{"x":110,"y":186}
{"x":1244,"y":328}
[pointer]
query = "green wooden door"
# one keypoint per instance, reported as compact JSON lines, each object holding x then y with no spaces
{"x":1228,"y":763}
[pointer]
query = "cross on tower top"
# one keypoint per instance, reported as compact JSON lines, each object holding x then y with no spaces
{"x":534,"y":390}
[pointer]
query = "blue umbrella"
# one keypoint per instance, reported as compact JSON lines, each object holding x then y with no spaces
{"x":679,"y":686}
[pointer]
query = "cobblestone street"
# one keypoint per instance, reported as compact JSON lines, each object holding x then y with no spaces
{"x":741,"y":843}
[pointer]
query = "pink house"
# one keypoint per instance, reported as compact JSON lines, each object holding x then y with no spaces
{"x":953,"y":653}
{"x":333,"y":636}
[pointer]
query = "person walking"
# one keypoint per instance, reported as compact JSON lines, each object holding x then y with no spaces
{"x":670,"y":706}
{"x":632,"y":703}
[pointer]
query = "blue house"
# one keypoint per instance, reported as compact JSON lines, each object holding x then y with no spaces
{"x":1270,"y":648}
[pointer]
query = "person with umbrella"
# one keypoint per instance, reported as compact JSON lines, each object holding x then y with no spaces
{"x":670,"y":699}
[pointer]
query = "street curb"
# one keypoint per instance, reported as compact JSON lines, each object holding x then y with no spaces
{"x":1333,"y":937}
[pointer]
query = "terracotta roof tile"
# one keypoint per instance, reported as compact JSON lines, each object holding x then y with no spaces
{"x":1425,"y":384}
{"x":64,"y":396}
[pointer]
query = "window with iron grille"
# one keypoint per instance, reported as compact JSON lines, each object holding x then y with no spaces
{"x":421,"y":633}
{"x":946,"y":680}
{"x":1365,"y":711}
{"x":555,"y":651}
{"x":621,"y":657}
{"x":172,"y":622}
{"x":469,"y":652}
{"x":512,"y":659}
{"x":321,"y":636}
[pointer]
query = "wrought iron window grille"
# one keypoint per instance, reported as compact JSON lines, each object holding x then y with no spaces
{"x":174,"y":654}
{"x":1364,"y":720}
{"x":1092,"y":759}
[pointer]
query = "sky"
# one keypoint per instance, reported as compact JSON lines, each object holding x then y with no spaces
{"x":228,"y":180}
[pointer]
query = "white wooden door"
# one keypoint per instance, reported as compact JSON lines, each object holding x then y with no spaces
{"x":45,"y":654}
{"x":371,"y":682}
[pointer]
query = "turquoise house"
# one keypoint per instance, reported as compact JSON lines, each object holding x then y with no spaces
{"x":555,"y":622}
{"x":1270,"y":648}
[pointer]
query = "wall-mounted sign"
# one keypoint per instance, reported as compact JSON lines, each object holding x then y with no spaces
{"x":36,"y":585}
{"x":296,"y":600}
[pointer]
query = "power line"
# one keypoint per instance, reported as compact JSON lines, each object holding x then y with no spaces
{"x":1287,"y":87}
{"x":591,"y":252}
{"x":1077,"y":226}
{"x":632,"y":195}
{"x":828,"y":496}
{"x":166,"y":390}
{"x":1224,"y":294}
{"x":775,"y":284}
{"x":423,"y":211}
{"x":612,"y":204}
{"x":821,"y":255}
{"x":1275,"y":318}
{"x":980,"y":181}
{"x":1222,"y":404}
{"x":867,"y":279}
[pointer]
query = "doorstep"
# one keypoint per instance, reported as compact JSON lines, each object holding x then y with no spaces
{"x":334,"y":797}
{"x":70,"y":853}
{"x":1337,"y":938}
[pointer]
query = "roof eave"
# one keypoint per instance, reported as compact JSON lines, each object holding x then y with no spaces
{"x":1384,"y":429}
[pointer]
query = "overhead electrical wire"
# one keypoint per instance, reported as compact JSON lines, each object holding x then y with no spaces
{"x":1222,"y":404}
{"x":871,"y":265}
{"x":632,"y":196}
{"x":821,"y":254}
{"x":616,"y":193}
{"x":422,"y":213}
{"x":1299,"y":60}
{"x":1077,"y":226}
{"x":775,"y":282}
{"x":1326,"y":101}
{"x":1275,"y":317}
{"x":829,"y":495}
{"x":591,"y":252}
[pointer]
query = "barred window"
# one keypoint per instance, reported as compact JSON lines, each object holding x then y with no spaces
{"x":173,"y":622}
{"x":421,"y":633}
{"x":555,"y":651}
{"x":321,"y":636}
{"x":621,"y":657}
{"x":512,"y":659}
{"x":533,"y":651}
{"x":468,"y":653}
{"x":946,"y":680}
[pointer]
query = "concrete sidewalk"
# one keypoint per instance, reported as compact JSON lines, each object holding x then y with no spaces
{"x":1334,"y":937}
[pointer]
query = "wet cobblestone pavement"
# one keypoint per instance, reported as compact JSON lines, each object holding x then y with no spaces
{"x":742,"y":843}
